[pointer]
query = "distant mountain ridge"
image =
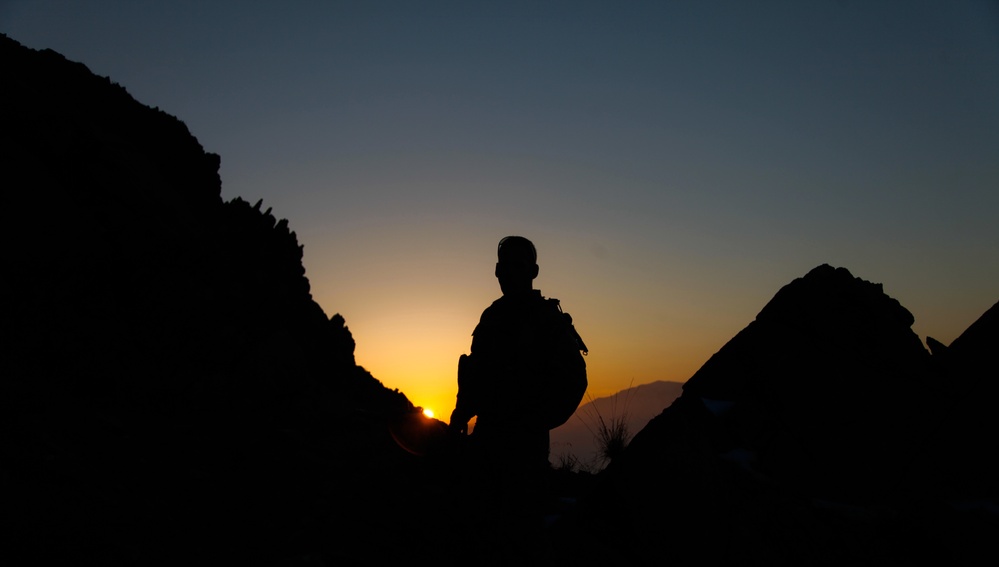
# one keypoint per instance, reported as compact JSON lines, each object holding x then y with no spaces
{"x":636,"y":405}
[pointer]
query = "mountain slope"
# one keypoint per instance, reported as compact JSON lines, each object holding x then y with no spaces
{"x":576,"y":440}
{"x":169,"y":383}
{"x":767,"y":459}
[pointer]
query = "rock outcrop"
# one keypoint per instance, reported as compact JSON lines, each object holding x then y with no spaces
{"x":822,"y":434}
{"x":169,"y":390}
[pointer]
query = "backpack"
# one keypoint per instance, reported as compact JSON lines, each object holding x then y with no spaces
{"x":564,"y":374}
{"x":570,"y":383}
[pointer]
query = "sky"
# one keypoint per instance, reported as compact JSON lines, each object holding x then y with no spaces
{"x":675,"y":162}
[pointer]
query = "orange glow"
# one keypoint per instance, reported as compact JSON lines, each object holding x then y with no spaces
{"x":412,"y":311}
{"x":416,"y":433}
{"x":428,"y":412}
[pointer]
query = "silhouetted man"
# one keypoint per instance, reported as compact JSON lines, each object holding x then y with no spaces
{"x":524,"y":376}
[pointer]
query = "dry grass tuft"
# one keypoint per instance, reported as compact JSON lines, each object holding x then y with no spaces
{"x":611,"y":433}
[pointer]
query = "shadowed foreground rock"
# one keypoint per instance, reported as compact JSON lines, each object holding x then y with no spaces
{"x":821,"y":434}
{"x":170,"y":391}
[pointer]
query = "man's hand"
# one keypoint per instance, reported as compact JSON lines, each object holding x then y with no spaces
{"x":458,"y":423}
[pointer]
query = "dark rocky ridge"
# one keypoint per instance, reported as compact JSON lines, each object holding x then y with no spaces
{"x":170,"y":389}
{"x":821,"y":434}
{"x":172,"y":394}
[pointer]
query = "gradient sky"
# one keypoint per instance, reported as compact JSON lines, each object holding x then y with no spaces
{"x":675,"y":163}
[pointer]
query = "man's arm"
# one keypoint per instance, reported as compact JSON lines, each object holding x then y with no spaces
{"x":465,"y":406}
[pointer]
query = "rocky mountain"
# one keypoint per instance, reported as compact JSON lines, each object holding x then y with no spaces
{"x":169,"y":388}
{"x":576,"y":441}
{"x":766,"y":458}
{"x":171,"y":394}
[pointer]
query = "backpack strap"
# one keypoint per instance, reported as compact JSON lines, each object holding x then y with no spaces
{"x":557,"y":305}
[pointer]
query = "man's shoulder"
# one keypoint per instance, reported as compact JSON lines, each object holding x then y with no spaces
{"x":529,"y":307}
{"x":517,"y":304}
{"x":495,"y":307}
{"x":507,"y":309}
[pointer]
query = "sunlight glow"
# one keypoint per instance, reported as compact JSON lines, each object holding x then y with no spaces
{"x":428,"y":412}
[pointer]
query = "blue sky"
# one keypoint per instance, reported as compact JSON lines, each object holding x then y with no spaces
{"x":675,"y":162}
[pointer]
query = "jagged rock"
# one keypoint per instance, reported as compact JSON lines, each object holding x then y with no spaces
{"x":935,"y":346}
{"x":792,"y":445}
{"x":170,"y":389}
{"x":827,"y":386}
{"x":958,"y":462}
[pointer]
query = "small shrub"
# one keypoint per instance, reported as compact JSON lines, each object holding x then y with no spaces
{"x":567,"y":462}
{"x":611,"y":433}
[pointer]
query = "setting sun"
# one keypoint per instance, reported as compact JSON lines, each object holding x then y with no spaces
{"x":428,"y":412}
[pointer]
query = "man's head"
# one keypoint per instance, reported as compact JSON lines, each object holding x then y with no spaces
{"x":517,"y":264}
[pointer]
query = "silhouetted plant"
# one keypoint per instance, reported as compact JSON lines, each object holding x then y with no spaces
{"x":567,"y":462}
{"x":611,"y":434}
